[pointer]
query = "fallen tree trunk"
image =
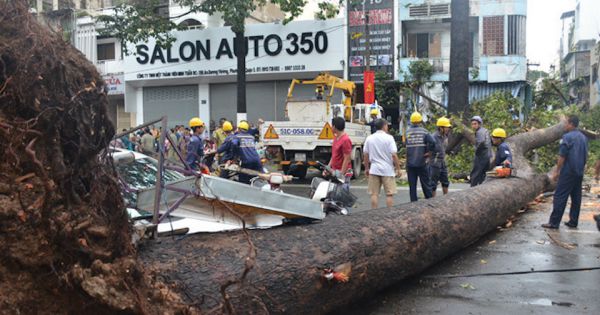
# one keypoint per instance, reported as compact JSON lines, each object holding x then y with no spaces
{"x":383,"y":245}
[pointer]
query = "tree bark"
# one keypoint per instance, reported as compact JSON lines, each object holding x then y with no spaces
{"x":383,"y":246}
{"x":458,"y":86}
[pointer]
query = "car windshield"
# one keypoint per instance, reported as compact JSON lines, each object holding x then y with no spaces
{"x":139,"y":174}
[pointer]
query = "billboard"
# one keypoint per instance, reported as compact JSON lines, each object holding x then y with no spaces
{"x":302,"y":46}
{"x":379,"y":39}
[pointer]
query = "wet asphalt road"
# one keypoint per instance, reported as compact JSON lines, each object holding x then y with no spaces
{"x":522,"y":247}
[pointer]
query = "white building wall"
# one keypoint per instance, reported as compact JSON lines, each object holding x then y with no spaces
{"x":565,"y":46}
{"x":204,"y":101}
{"x":587,"y":20}
{"x":85,"y":38}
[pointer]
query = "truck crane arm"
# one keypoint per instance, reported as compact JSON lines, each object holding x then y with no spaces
{"x":333,"y":82}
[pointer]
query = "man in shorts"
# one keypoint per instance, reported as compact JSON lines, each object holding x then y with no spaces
{"x":381,"y":163}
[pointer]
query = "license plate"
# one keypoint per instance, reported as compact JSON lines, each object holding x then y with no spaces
{"x":296,"y":131}
{"x":300,"y":157}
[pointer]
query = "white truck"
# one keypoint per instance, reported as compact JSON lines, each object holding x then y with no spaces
{"x":307,"y":136}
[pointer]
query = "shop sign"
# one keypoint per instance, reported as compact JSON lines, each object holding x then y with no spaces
{"x":302,"y":46}
{"x":114,"y":84}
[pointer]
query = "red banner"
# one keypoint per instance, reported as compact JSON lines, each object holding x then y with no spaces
{"x":369,"y":82}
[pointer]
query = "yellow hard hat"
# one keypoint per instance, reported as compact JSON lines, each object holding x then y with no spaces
{"x":443,"y":122}
{"x":244,"y":125}
{"x":499,"y":133}
{"x":416,"y":118}
{"x":227,"y":126}
{"x":196,"y":122}
{"x":374,"y":111}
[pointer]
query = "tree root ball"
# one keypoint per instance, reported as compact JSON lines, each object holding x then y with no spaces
{"x":57,"y":189}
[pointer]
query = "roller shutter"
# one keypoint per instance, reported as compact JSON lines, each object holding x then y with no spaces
{"x":178,"y":103}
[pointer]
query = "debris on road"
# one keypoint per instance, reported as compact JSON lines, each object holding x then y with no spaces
{"x":560,"y":243}
{"x":467,"y":286}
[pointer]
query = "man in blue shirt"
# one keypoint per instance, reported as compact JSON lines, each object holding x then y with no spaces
{"x":195,"y":148}
{"x":374,"y":113}
{"x":503,"y":153}
{"x":438,"y":171}
{"x":569,"y":171}
{"x":245,"y":150}
{"x":419,"y":145}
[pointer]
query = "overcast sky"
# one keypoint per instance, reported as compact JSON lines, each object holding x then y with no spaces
{"x":543,"y":28}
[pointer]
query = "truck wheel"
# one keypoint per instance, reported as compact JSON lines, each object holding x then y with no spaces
{"x":357,"y":164}
{"x":298,"y":171}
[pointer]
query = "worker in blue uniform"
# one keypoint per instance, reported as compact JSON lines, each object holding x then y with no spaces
{"x":374,"y":112}
{"x":245,"y":151}
{"x":438,"y":170}
{"x":419,"y":145}
{"x":573,"y":153}
{"x":195,"y":147}
{"x":503,"y":153}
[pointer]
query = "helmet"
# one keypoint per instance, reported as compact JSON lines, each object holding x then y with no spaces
{"x":477,"y":119}
{"x":374,"y":111}
{"x":196,"y":122}
{"x":416,"y":118}
{"x":499,"y":133}
{"x":443,"y":122}
{"x":227,"y":126}
{"x":244,"y":125}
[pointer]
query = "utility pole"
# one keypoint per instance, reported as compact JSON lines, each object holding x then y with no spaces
{"x":240,"y":53}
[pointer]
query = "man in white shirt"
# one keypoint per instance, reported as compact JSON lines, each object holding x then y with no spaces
{"x":381,"y":163}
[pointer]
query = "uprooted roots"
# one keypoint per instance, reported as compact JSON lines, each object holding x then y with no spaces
{"x":64,"y":236}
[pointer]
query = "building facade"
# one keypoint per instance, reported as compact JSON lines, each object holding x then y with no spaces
{"x":497,"y":46}
{"x":580,"y":33}
{"x":197,"y":75}
{"x":77,"y":19}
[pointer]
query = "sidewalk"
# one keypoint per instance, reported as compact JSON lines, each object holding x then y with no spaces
{"x":522,"y":246}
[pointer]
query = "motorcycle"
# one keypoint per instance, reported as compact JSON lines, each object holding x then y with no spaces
{"x":264,"y":181}
{"x":332,"y":191}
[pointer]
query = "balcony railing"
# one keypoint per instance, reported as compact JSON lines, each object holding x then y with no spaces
{"x":110,"y":66}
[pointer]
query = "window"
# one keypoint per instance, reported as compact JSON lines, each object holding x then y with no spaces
{"x":516,"y":35}
{"x":162,"y":9}
{"x":192,"y":24}
{"x":418,"y":10}
{"x":106,"y":51}
{"x":140,"y":174}
{"x":428,"y":10}
{"x":424,"y":45}
{"x":493,"y":35}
